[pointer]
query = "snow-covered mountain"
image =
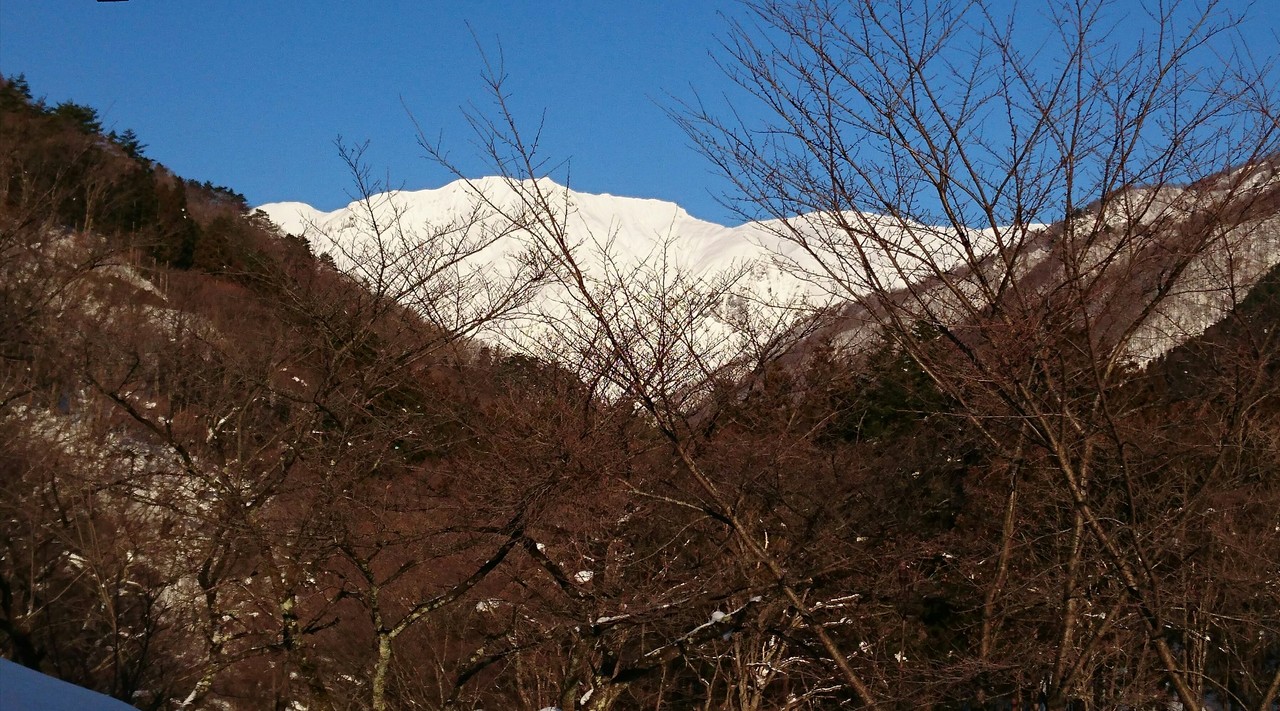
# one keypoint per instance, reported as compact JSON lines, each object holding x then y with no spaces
{"x":623,"y":238}
{"x":633,"y":228}
{"x":616,"y":240}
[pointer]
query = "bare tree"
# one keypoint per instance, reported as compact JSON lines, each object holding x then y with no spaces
{"x":656,"y":338}
{"x":912,"y":151}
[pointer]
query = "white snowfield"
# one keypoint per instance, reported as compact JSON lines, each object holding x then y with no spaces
{"x":654,"y":247}
{"x":631,"y":230}
{"x":647,"y":245}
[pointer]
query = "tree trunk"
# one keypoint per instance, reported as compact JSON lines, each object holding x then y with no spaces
{"x":381,"y":669}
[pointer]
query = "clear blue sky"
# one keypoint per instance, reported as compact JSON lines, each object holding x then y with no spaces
{"x":252,"y":93}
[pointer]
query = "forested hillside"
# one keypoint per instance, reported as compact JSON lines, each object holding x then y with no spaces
{"x":237,"y":473}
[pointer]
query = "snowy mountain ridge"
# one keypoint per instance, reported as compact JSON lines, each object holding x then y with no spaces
{"x":633,"y":238}
{"x":635,"y":226}
{"x":615,"y":239}
{"x":609,"y":233}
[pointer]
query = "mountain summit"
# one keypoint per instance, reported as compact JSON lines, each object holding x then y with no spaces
{"x":773,"y":263}
{"x":634,"y":228}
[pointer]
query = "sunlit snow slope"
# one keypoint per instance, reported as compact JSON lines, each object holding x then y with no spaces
{"x":612,"y":235}
{"x":629,"y":230}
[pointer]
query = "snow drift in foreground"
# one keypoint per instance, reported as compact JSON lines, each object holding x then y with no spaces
{"x":23,"y":689}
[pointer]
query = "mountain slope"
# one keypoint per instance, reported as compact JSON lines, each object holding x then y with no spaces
{"x":236,"y":478}
{"x":759,"y":276}
{"x":629,"y":230}
{"x":771,"y":268}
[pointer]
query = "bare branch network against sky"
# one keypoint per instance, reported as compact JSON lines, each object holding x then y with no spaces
{"x":252,"y":94}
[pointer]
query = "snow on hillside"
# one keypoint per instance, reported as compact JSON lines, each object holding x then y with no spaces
{"x":773,"y":275}
{"x":641,"y":243}
{"x":641,"y":236}
{"x":635,"y":226}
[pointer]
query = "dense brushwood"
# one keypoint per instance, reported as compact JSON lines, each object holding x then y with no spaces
{"x":234,"y":477}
